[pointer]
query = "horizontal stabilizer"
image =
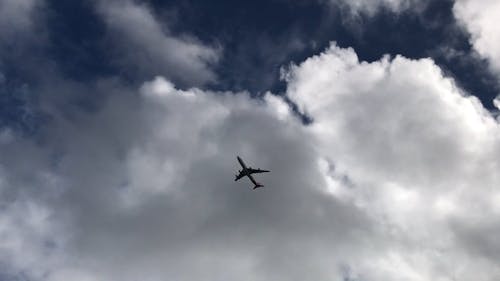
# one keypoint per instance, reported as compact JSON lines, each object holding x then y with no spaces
{"x":258,"y":185}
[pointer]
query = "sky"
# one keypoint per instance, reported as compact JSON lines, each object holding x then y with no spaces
{"x":121,"y":120}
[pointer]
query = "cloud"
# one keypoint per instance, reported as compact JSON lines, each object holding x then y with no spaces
{"x":479,"y":18}
{"x":20,"y":33}
{"x":145,"y":43}
{"x":418,"y":149}
{"x":370,"y":7}
{"x":16,"y":16}
{"x":395,"y":179}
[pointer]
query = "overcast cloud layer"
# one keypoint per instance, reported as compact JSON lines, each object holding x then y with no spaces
{"x":395,"y":178}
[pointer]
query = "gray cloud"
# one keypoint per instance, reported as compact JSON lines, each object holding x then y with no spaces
{"x":16,"y":17}
{"x":394,"y":180}
{"x":21,"y":32}
{"x":143,"y":42}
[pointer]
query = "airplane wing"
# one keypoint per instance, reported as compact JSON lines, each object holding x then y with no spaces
{"x":256,"y":171}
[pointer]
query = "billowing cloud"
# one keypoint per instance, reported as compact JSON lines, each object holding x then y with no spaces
{"x":146,"y":44}
{"x":420,"y":155}
{"x":395,"y":179}
{"x":480,"y":19}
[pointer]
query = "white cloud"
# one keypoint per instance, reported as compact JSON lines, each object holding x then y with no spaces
{"x":395,"y":179}
{"x":370,"y":7}
{"x":144,"y":42}
{"x":480,"y":19}
{"x":407,"y":137}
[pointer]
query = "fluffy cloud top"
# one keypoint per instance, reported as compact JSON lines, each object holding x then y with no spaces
{"x":480,"y":18}
{"x":395,"y":179}
{"x":420,"y":155}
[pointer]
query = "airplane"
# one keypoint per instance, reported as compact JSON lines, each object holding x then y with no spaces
{"x":248,"y":171}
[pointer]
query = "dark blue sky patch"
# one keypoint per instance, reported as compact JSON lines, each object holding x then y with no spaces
{"x":77,"y":40}
{"x":261,"y":36}
{"x":257,"y":37}
{"x":433,"y":33}
{"x":18,"y":109}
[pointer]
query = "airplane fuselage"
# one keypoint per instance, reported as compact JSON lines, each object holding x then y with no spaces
{"x":247,"y":172}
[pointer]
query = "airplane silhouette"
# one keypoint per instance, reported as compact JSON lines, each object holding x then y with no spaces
{"x":248,"y":171}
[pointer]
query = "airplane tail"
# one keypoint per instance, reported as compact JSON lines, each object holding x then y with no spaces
{"x":258,"y":185}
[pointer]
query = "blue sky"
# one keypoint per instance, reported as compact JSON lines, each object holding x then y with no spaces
{"x":255,"y":40}
{"x":120,"y":122}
